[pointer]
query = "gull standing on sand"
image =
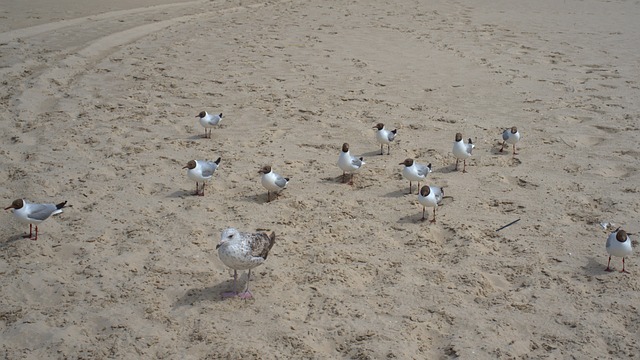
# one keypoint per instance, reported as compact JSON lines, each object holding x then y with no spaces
{"x":201,"y":171}
{"x":619,"y":245}
{"x":462,"y":151}
{"x":348,"y":163}
{"x":385,"y":136}
{"x":430,"y":196}
{"x":510,"y":136}
{"x":34,"y":214}
{"x":243,"y":251}
{"x":413,"y":171}
{"x":272,"y":181}
{"x":208,"y":121}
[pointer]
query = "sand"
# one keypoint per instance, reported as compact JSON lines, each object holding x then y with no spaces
{"x":98,"y":108}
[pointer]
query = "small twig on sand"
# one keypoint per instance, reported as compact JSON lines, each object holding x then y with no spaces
{"x":509,"y":224}
{"x":569,"y":145}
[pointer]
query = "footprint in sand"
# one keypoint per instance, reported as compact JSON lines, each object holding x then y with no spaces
{"x":581,"y":141}
{"x":612,"y":171}
{"x":607,"y":129}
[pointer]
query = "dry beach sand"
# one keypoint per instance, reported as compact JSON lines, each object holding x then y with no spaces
{"x":98,"y":108}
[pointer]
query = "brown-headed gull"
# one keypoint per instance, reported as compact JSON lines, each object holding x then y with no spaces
{"x":272,"y":181}
{"x":349,"y":164}
{"x":414,"y":171}
{"x":34,"y":214}
{"x":208,"y":121}
{"x":510,"y":136}
{"x":430,"y":196}
{"x":201,"y":171}
{"x":462,"y":151}
{"x":384,"y":136}
{"x":619,"y":245}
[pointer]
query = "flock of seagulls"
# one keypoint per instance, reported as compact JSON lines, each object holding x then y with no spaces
{"x":245,"y":251}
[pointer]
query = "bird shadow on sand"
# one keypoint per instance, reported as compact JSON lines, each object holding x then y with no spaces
{"x":197,"y":137}
{"x":371,"y":154}
{"x":12,"y":239}
{"x":209,"y":293}
{"x":448,"y":169}
{"x":181,"y":193}
{"x":256,"y":198}
{"x":399,"y":193}
{"x":336,"y":179}
{"x":495,"y":150}
{"x":413,"y":219}
{"x":595,"y":267}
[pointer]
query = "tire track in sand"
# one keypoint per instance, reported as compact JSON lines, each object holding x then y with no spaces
{"x":35,"y":78}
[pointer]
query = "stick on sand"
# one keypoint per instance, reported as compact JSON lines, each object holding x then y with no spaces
{"x":509,"y":224}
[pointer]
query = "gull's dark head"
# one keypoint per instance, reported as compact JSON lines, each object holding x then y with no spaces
{"x":407,"y":162}
{"x":190,"y":165}
{"x":621,"y":236}
{"x":16,"y":204}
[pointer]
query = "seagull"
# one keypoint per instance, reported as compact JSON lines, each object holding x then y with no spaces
{"x":385,"y":136}
{"x":348,"y":163}
{"x":510,"y":136}
{"x":618,"y":244}
{"x":208,"y":121}
{"x":272,"y":181}
{"x":462,"y":151}
{"x":31,"y":213}
{"x":201,"y":171}
{"x":243,"y":251}
{"x":430,"y":196}
{"x":413,"y":171}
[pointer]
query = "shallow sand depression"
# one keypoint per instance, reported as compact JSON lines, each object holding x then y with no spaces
{"x":99,"y":105}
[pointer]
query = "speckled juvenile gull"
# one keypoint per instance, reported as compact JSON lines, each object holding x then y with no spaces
{"x":201,"y":171}
{"x":414,"y":171}
{"x":384,"y":136}
{"x":510,"y":136}
{"x":619,"y":245}
{"x":462,"y":151}
{"x":208,"y":121}
{"x":243,"y":251}
{"x":430,"y":196}
{"x":272,"y":181}
{"x":349,"y":164}
{"x":34,"y":214}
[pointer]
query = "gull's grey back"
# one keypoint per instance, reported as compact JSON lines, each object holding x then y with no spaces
{"x":280,"y":181}
{"x":423,"y":170}
{"x":42,"y":211}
